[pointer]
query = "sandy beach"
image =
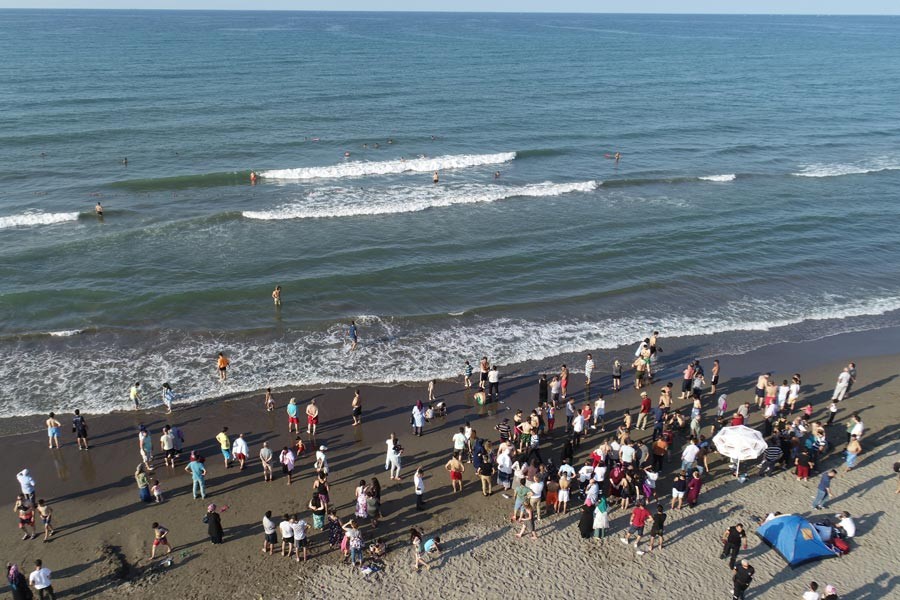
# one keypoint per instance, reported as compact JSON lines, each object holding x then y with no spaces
{"x":102,"y":543}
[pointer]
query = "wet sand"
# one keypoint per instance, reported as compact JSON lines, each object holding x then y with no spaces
{"x":103,"y":532}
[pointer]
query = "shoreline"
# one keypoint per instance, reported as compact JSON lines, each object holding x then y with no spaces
{"x":95,"y":500}
{"x":864,"y":343}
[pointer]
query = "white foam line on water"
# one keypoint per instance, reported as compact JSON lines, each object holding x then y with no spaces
{"x":54,"y":376}
{"x":64,"y":333}
{"x":838,"y":169}
{"x":32,"y":218}
{"x":390,"y":167}
{"x":719,"y":178}
{"x":351,"y":202}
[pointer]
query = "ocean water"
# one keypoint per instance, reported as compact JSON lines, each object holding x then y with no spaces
{"x":756,"y":194}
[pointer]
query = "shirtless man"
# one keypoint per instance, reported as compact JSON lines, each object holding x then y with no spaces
{"x":312,"y":418}
{"x":482,"y":381}
{"x":98,"y":209}
{"x":356,"y":409}
{"x":761,"y":382}
{"x":456,"y":469}
{"x":276,"y":295}
{"x":46,"y":517}
{"x":53,"y":431}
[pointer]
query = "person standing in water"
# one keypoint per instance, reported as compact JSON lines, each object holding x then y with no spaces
{"x":435,"y":177}
{"x":276,"y":296}
{"x":222,"y":365}
{"x":135,"y":394}
{"x":353,"y":334}
{"x":53,"y":431}
{"x":99,"y":210}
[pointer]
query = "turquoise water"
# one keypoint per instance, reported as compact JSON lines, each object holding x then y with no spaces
{"x":757,"y":189}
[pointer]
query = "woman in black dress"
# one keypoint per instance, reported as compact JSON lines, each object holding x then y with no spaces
{"x":213,"y":524}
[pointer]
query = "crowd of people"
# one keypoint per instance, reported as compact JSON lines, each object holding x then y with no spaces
{"x":539,"y":466}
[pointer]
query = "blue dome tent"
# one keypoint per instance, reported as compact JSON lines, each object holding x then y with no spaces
{"x":795,"y":539}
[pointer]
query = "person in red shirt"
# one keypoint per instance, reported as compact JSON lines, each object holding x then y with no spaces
{"x":737,"y":419}
{"x":639,"y":517}
{"x":645,"y":412}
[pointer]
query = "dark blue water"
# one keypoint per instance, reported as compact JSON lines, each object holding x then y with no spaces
{"x":757,"y":189}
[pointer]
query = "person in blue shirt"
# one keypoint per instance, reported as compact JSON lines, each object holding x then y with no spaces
{"x":352,"y":334}
{"x":824,"y":490}
{"x":433,"y":545}
{"x":198,"y":477}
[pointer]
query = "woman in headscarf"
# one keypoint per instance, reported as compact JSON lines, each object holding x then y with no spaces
{"x":213,"y":524}
{"x":601,"y":518}
{"x":26,"y":482}
{"x":693,"y":489}
{"x":18,"y":584}
{"x":586,"y":522}
{"x":140,"y":477}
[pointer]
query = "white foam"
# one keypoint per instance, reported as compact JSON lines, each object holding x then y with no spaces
{"x":95,"y":377}
{"x":31,"y":218}
{"x":719,"y":178}
{"x":838,"y":169}
{"x":390,"y":167}
{"x":350,"y":202}
{"x":64,"y":333}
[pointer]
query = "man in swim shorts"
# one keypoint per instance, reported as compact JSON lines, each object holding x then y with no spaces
{"x":312,"y":417}
{"x":53,"y":431}
{"x":293,"y":420}
{"x":160,"y":538}
{"x":456,"y":468}
{"x":222,"y":365}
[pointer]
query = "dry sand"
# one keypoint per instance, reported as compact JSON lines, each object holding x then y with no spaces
{"x":102,"y":543}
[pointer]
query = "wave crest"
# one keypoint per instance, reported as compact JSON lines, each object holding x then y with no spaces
{"x":719,"y":178}
{"x":342,"y":202}
{"x":390,"y":167}
{"x":839,"y":169}
{"x":32,"y":218}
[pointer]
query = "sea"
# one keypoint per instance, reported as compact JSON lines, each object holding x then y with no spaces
{"x":756,"y":196}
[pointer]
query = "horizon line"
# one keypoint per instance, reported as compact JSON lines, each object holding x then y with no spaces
{"x":478,"y":12}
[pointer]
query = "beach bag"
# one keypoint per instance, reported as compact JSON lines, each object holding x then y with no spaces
{"x":841,"y":545}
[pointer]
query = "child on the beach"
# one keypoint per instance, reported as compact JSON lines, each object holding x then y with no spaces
{"x":269,"y":400}
{"x":157,"y":491}
{"x":46,"y":517}
{"x":467,"y":375}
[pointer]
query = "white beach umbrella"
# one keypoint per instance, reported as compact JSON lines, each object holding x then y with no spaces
{"x":740,"y":443}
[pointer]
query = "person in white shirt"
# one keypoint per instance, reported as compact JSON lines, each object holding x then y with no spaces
{"x":321,"y":463}
{"x":812,"y":592}
{"x":784,"y":391}
{"x":566,"y":469}
{"x":240,"y":450}
{"x":588,"y":369}
{"x":299,"y":527}
{"x":40,"y":580}
{"x":390,"y":451}
{"x":167,"y":444}
{"x":586,"y":472}
{"x":600,"y":473}
{"x":287,"y":536}
{"x":269,"y":537}
{"x":494,"y":384}
{"x":504,"y":469}
{"x":419,"y":483}
{"x":843,"y":382}
{"x":688,"y":456}
{"x":536,"y":485}
{"x":577,"y":429}
{"x":460,"y":442}
{"x":846,"y":526}
{"x":857,"y":428}
{"x":626,"y":454}
{"x":599,"y":413}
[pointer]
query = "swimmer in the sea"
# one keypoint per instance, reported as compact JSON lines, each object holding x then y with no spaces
{"x":390,"y":141}
{"x":617,"y":157}
{"x":346,"y":154}
{"x":376,"y":145}
{"x":253,"y":177}
{"x":125,"y":161}
{"x":435,"y":177}
{"x":496,"y":174}
{"x":99,"y":210}
{"x":276,"y":295}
